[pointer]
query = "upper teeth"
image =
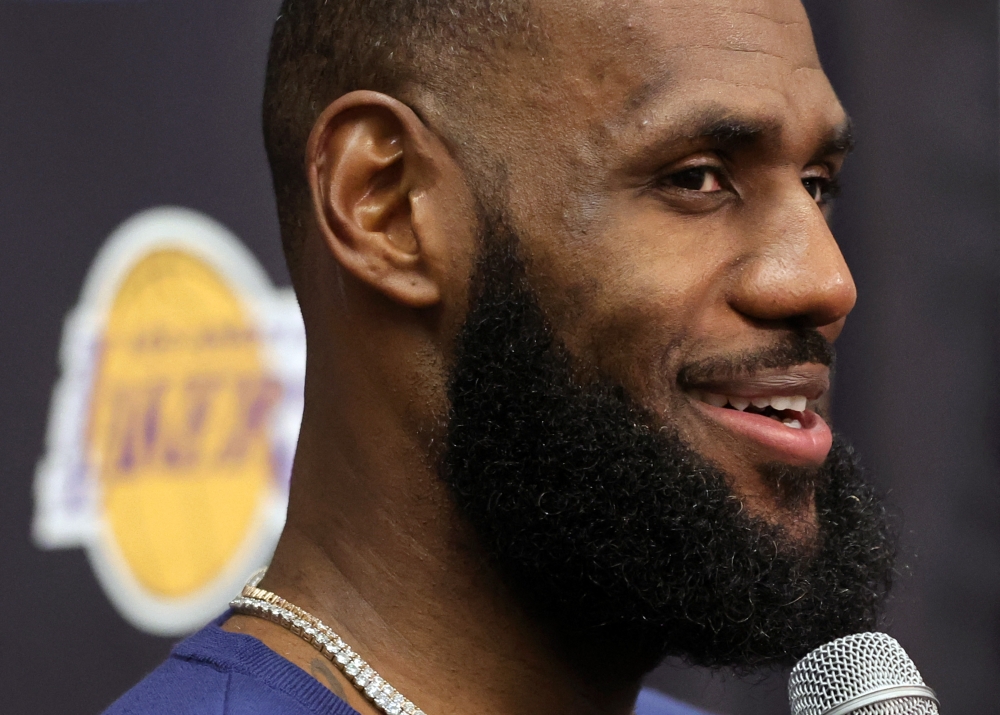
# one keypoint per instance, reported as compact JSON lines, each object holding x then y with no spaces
{"x":795,"y":403}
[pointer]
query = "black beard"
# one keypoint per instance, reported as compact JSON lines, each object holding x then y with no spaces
{"x":615,"y":534}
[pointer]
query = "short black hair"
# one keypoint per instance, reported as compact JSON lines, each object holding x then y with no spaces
{"x":322,"y":49}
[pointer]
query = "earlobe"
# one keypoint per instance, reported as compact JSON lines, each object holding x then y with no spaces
{"x":366,"y":169}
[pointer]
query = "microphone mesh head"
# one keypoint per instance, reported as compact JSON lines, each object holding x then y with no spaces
{"x":851,"y":667}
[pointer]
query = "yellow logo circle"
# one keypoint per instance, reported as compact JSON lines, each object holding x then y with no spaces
{"x":180,"y":413}
{"x":173,"y":425}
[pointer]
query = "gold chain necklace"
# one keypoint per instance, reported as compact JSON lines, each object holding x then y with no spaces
{"x":269,"y":606}
{"x":263,"y":604}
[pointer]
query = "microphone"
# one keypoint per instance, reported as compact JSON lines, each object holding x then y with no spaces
{"x":861,"y":674}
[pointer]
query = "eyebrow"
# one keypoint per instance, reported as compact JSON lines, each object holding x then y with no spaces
{"x":729,"y":131}
{"x":839,"y":141}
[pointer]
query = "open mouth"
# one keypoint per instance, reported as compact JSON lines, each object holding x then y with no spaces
{"x":788,"y":410}
{"x":772,"y":413}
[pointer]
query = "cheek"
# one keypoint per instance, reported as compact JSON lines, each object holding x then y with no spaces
{"x":640,"y":295}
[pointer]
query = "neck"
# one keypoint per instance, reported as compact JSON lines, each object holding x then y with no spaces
{"x":387,"y":564}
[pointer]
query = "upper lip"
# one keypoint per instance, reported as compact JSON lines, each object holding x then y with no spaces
{"x":809,"y":380}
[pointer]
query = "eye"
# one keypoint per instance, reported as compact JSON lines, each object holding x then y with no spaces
{"x":704,"y":179}
{"x":822,"y":189}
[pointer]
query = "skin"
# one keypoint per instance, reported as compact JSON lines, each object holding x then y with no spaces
{"x":655,"y":244}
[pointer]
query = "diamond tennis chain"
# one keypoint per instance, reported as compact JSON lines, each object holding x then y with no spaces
{"x":269,"y":606}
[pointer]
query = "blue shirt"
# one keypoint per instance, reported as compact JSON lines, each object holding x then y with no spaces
{"x":215,"y":672}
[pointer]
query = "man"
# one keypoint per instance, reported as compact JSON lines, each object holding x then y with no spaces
{"x":570,"y":297}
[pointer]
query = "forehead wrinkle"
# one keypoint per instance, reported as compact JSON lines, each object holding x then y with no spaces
{"x":742,"y":49}
{"x":747,"y":30}
{"x":653,"y":91}
{"x":782,"y":23}
{"x":797,"y":18}
{"x":745,"y":48}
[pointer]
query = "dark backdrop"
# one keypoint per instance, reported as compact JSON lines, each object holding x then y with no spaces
{"x":107,"y":108}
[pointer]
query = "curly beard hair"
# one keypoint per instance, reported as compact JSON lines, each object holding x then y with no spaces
{"x":615,"y":534}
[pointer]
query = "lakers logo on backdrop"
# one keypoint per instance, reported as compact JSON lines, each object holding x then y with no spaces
{"x":173,"y":426}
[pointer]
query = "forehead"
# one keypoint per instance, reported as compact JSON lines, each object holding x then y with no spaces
{"x":626,"y":64}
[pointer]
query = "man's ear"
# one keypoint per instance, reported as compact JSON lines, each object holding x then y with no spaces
{"x":369,"y":160}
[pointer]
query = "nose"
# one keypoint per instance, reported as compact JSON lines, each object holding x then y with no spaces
{"x":793,"y":272}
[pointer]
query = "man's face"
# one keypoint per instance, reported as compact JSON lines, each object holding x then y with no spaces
{"x":669,"y":165}
{"x":654,"y":258}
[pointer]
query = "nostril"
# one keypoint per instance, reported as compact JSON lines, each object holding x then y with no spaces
{"x":800,"y":295}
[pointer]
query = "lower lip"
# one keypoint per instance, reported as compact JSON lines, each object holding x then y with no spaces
{"x":806,"y":447}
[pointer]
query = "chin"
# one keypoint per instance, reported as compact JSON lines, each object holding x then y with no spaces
{"x":800,"y":524}
{"x":784,"y":497}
